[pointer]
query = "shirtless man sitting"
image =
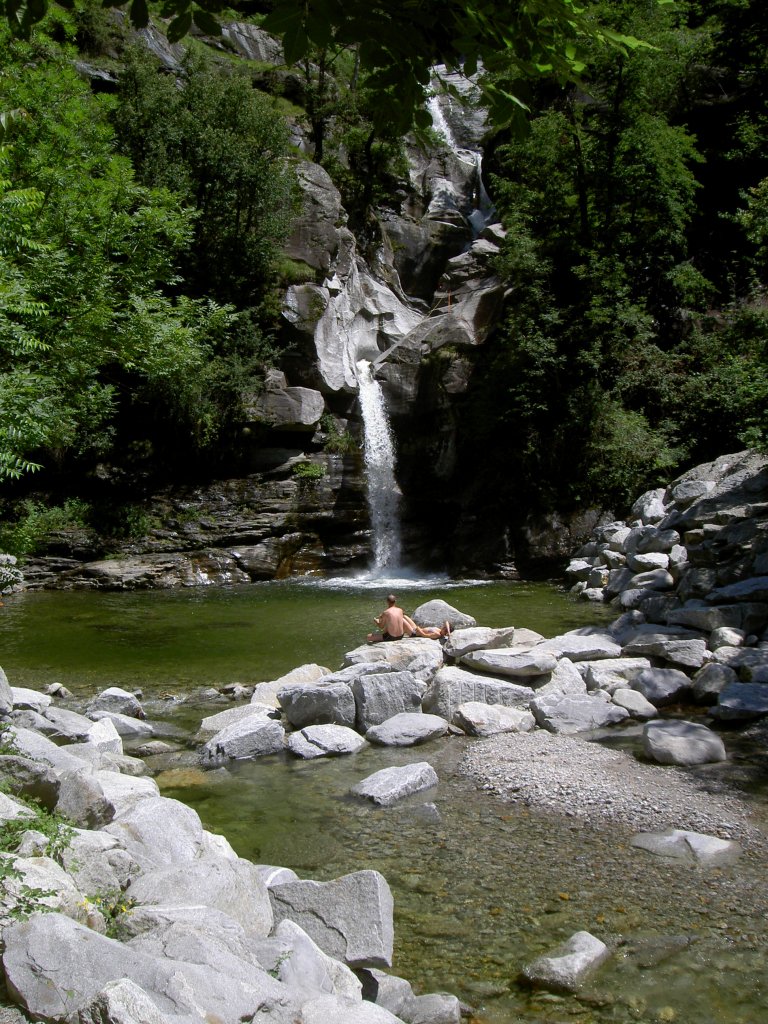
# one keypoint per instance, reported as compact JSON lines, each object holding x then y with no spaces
{"x":391,"y":623}
{"x":394,"y":624}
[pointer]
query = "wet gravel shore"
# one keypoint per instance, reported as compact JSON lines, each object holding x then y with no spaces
{"x":585,"y":780}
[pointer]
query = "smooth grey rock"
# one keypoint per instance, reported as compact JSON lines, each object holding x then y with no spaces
{"x":40,"y":749}
{"x":379,"y":696}
{"x":328,"y":1009}
{"x":648,"y":562}
{"x":580,"y":646}
{"x":387,"y":990}
{"x":477,"y":719}
{"x":213,"y":724}
{"x":102,"y":735}
{"x":29,"y":778}
{"x":508,"y":663}
{"x":285,"y":408}
{"x":25,"y":699}
{"x":418,"y":655}
{"x":117,"y":700}
{"x":266,"y":693}
{"x":350,"y":918}
{"x":126,"y":725}
{"x":158,"y":831}
{"x":651,"y":579}
{"x":656,"y":539}
{"x":564,"y":678}
{"x":324,"y":741}
{"x":11,"y":809}
{"x":389,"y":785}
{"x":81,"y":800}
{"x":68,"y":725}
{"x":693,"y":847}
{"x":320,"y":703}
{"x":98,"y":862}
{"x":575,"y":713}
{"x":435,"y":1008}
{"x":307,"y":968}
{"x":407,"y":730}
{"x":650,"y":507}
{"x":753,"y":589}
{"x":618,"y":581}
{"x":661,"y":686}
{"x":194,"y":934}
{"x":436,"y":612}
{"x":452,"y":687}
{"x":682,"y":743}
{"x":710,"y":680}
{"x":273,"y":875}
{"x":477,"y":638}
{"x":567,"y":967}
{"x":726,"y":636}
{"x":635,"y":703}
{"x":741,"y":701}
{"x":689,"y":652}
{"x":579,"y":569}
{"x":121,"y":1002}
{"x":6,"y":694}
{"x":55,"y":967}
{"x":59,"y":892}
{"x":247,"y":738}
{"x":749,"y":616}
{"x":614,"y":674}
{"x":234,"y":887}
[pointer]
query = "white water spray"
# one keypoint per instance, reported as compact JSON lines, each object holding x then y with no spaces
{"x":379,"y":453}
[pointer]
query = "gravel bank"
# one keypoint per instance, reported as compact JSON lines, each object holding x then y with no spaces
{"x":570,"y":776}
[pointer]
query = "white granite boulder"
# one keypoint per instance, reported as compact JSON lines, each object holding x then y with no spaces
{"x":407,"y":730}
{"x":615,"y":674}
{"x":741,"y":702}
{"x":436,"y":612}
{"x":635,"y":703}
{"x":266,"y":693}
{"x":586,"y":645}
{"x":453,"y":686}
{"x":692,"y":847}
{"x":566,"y":968}
{"x":253,"y":736}
{"x":574,"y":713}
{"x":477,"y":638}
{"x":117,"y":700}
{"x":379,"y":696}
{"x":476,"y":719}
{"x":121,"y":1002}
{"x":512,"y":664}
{"x":389,"y":785}
{"x":682,"y":743}
{"x":324,"y":741}
{"x":320,"y":703}
{"x":661,"y":686}
{"x":350,"y":918}
{"x":234,"y":887}
{"x":213,"y":724}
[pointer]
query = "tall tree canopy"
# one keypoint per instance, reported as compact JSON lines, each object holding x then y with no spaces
{"x":399,"y":41}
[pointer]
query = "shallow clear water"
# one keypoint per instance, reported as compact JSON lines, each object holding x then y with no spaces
{"x":480,"y":887}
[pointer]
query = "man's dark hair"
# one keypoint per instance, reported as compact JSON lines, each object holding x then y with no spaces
{"x":391,"y":599}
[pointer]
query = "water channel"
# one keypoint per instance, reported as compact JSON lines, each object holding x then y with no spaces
{"x":480,"y":886}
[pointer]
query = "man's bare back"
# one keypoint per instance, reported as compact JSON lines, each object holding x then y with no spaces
{"x":391,"y":622}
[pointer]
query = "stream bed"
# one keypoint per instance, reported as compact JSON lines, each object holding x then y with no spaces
{"x":481,"y":886}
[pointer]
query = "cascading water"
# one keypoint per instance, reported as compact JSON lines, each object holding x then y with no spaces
{"x":379,"y":453}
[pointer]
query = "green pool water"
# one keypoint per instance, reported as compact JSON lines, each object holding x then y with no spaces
{"x":480,"y":887}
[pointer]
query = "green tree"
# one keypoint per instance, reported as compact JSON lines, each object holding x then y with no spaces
{"x":222,"y":147}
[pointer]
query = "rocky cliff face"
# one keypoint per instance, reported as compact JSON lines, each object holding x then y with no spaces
{"x":416,"y":299}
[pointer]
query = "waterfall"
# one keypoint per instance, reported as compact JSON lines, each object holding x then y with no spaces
{"x":379,"y":453}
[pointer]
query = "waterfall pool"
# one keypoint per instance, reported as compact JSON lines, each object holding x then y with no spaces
{"x":481,"y":887}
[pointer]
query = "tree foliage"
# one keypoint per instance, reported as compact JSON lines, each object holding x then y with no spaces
{"x":399,"y":42}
